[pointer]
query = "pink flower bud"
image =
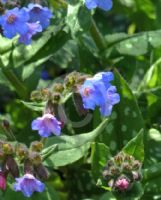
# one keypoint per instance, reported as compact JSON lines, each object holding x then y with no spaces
{"x":2,"y":182}
{"x":122,"y":184}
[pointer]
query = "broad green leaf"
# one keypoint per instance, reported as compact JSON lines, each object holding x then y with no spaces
{"x":135,"y":147}
{"x":99,"y":155}
{"x":151,"y":78}
{"x":74,"y":147}
{"x":78,"y":18}
{"x":134,"y":45}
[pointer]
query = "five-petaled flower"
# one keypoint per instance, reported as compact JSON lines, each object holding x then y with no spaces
{"x":14,"y":22}
{"x":47,"y":125}
{"x":103,"y":4}
{"x":39,"y":14}
{"x":98,"y":91}
{"x":28,"y":184}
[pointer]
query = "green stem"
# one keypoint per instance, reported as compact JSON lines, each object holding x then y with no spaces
{"x":151,"y":173}
{"x":16,"y":83}
{"x":97,"y":37}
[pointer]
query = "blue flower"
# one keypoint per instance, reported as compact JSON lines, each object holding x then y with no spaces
{"x":4,"y":1}
{"x":98,"y":91}
{"x":92,"y":93}
{"x":13,"y":22}
{"x":112,"y":98}
{"x":103,"y":4}
{"x":33,"y":28}
{"x":46,"y":125}
{"x":39,"y":14}
{"x":28,"y":184}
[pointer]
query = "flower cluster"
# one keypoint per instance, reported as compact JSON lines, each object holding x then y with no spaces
{"x":103,"y":4}
{"x":26,"y":22}
{"x":98,"y":91}
{"x":33,"y":167}
{"x":122,"y":171}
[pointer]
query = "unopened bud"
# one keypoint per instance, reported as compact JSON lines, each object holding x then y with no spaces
{"x":119,"y":158}
{"x":36,"y":96}
{"x":56,"y":97}
{"x":22,"y":151}
{"x":114,"y":170}
{"x":11,"y":166}
{"x":35,"y":158}
{"x":70,"y":80}
{"x":6,"y":124}
{"x":129,"y":158}
{"x":122,"y":184}
{"x":7,"y":148}
{"x":136,"y":176}
{"x":136,"y":165}
{"x":106,"y":173}
{"x":28,"y":167}
{"x":111,"y":183}
{"x":126,"y":167}
{"x":41,"y":172}
{"x":58,"y":87}
{"x":2,"y":181}
{"x":36,"y":146}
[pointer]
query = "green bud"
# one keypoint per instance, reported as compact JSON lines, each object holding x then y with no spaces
{"x":119,"y":158}
{"x":36,"y":95}
{"x":136,"y":165}
{"x":58,"y":87}
{"x":114,"y":170}
{"x":21,"y":151}
{"x":7,"y":148}
{"x":35,"y":158}
{"x":36,"y":146}
{"x":126,"y":167}
{"x":56,"y":97}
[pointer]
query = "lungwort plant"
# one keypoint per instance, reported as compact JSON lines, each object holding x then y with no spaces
{"x":80,"y":100}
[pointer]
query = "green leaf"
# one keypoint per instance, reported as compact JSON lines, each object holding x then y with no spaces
{"x":34,"y":105}
{"x":135,"y":147}
{"x":71,"y":148}
{"x":133,"y":45}
{"x":99,"y":155}
{"x":78,"y":18}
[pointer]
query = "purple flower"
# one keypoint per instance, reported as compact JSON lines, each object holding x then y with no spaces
{"x":13,"y":22}
{"x":111,"y":99}
{"x":103,"y":4}
{"x":28,"y":184}
{"x":39,"y":14}
{"x":46,"y":125}
{"x":33,"y":28}
{"x":98,"y":91}
{"x":4,"y":1}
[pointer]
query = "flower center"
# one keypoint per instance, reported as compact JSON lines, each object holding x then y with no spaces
{"x":36,"y":10}
{"x":87,"y":91}
{"x":11,"y":18}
